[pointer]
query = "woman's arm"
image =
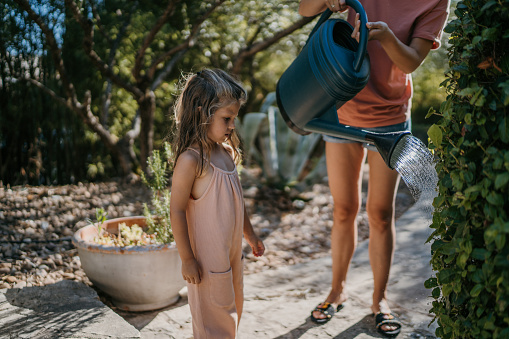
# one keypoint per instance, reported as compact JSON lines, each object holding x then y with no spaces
{"x":182,"y":183}
{"x":406,"y":57}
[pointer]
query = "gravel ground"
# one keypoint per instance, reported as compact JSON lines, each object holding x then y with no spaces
{"x":37,"y":223}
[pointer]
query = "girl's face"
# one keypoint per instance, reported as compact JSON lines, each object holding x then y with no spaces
{"x":223,"y":123}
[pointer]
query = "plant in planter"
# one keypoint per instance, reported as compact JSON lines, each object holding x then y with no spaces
{"x":134,"y":259}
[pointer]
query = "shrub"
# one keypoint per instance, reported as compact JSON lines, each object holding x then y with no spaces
{"x":158,"y":220}
{"x":470,"y":242}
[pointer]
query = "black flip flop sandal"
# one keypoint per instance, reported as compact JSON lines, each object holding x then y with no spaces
{"x":388,"y":319}
{"x":326,"y":309}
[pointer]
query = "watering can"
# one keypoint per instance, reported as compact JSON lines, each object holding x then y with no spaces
{"x":330,"y":70}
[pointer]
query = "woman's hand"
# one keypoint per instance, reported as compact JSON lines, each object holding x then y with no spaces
{"x":336,"y":5}
{"x":406,"y":57}
{"x":376,"y":30}
{"x":191,"y":271}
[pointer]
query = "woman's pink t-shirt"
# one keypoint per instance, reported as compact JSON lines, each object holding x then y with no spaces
{"x":386,"y":99}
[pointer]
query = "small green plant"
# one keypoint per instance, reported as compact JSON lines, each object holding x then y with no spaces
{"x":160,"y":169}
{"x":158,"y":221}
{"x":100,"y":216}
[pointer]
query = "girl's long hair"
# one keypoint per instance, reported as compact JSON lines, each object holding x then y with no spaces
{"x":200,"y":97}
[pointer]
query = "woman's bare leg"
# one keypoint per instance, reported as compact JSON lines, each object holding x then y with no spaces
{"x":344,"y":166}
{"x":382,"y":188}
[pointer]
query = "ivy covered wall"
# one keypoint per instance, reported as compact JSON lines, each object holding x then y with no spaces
{"x":470,"y":242}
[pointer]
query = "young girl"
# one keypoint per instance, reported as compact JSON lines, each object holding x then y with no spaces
{"x":208,"y":215}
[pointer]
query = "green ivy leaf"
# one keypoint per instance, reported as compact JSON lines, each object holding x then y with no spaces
{"x":476,"y":290}
{"x":480,"y":254}
{"x":431,"y":111}
{"x":467,"y":91}
{"x":495,"y":199}
{"x":488,"y":5}
{"x":505,"y":92}
{"x":444,"y":277}
{"x":435,"y":135}
{"x":431,"y":283}
{"x":461,"y":260}
{"x":500,"y":241}
{"x":501,"y":180}
{"x":503,"y":129}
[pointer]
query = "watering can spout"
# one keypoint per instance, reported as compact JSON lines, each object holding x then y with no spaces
{"x":385,"y":143}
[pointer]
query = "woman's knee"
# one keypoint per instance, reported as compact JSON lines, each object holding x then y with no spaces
{"x":380,"y":217}
{"x":346,"y":211}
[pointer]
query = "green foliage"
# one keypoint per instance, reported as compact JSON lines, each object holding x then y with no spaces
{"x":100,"y":217}
{"x":158,"y":220}
{"x":285,"y":157}
{"x":470,"y":251}
{"x":426,"y":80}
{"x":110,"y":69}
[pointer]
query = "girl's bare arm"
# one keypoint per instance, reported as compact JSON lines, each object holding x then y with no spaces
{"x":252,"y":239}
{"x":182,"y":183}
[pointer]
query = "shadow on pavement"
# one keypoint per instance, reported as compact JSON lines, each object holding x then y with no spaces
{"x":299,"y":331}
{"x":364,"y":326}
{"x":64,"y":307}
{"x":137,"y":319}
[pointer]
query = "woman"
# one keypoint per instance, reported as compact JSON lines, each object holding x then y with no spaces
{"x":401,"y":34}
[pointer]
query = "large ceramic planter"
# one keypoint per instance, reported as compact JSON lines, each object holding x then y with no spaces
{"x":138,"y":278}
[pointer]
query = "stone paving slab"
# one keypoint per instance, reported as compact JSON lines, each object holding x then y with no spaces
{"x":66,"y":309}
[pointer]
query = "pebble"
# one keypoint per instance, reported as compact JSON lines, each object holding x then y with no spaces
{"x":21,"y":284}
{"x":10,"y":279}
{"x":68,"y":275}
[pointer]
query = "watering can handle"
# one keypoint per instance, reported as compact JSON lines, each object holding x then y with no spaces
{"x":363,"y":39}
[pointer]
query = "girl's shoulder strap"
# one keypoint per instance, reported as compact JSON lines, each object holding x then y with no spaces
{"x":194,"y":150}
{"x":228,"y":150}
{"x":206,"y":161}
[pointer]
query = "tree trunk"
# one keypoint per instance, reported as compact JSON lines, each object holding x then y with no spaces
{"x":147,"y":106}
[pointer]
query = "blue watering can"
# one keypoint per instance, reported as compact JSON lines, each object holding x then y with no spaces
{"x":330,"y":70}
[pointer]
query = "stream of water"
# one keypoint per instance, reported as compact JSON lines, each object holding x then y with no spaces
{"x":414,"y":161}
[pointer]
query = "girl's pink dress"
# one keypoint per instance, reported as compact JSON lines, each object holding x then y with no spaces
{"x":215,"y":222}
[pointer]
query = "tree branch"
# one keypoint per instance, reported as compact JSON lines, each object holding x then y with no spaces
{"x":48,"y":91}
{"x":97,"y":18}
{"x":187,"y":42}
{"x":167,"y":69}
{"x":250,"y":51}
{"x":106,"y":97}
{"x":88,"y":44}
{"x":168,"y":12}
